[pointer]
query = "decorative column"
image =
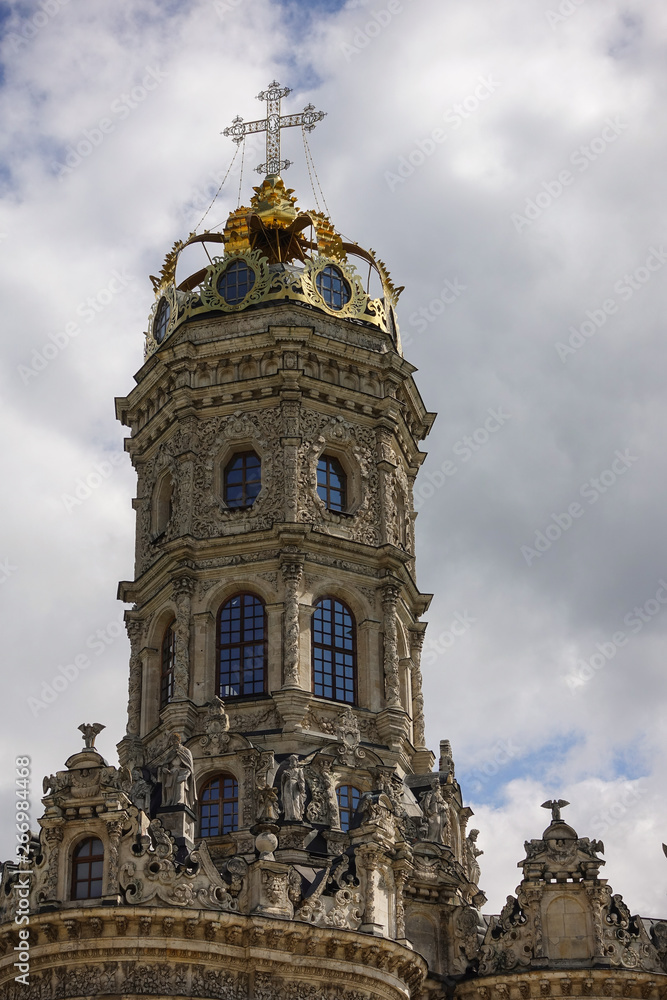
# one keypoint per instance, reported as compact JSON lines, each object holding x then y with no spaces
{"x":418,"y":725}
{"x":183,"y":594}
{"x":292,"y":572}
{"x":290,"y":442}
{"x":367,"y":857}
{"x":531,"y":899}
{"x":392,"y":686}
{"x":53,"y":836}
{"x":386,"y":466}
{"x":114,"y":830}
{"x":402,"y":873}
{"x":135,"y":631}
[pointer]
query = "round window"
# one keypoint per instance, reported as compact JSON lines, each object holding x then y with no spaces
{"x":161,"y":321}
{"x":333,"y":287}
{"x":235,"y":282}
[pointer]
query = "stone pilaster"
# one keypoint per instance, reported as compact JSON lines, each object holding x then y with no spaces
{"x":292,"y":572}
{"x":183,"y":589}
{"x":392,"y":686}
{"x":135,"y":634}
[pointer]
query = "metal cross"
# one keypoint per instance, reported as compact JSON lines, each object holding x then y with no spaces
{"x":272,"y":125}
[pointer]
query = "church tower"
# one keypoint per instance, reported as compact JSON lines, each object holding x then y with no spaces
{"x":276,"y":828}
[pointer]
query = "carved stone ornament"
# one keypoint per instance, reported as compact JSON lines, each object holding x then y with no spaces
{"x":156,"y":875}
{"x":216,"y":739}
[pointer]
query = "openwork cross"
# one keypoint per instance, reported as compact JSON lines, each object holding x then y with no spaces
{"x":272,"y":125}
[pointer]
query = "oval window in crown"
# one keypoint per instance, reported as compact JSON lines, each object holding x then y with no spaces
{"x":161,"y":321}
{"x":333,"y":287}
{"x":235,"y":282}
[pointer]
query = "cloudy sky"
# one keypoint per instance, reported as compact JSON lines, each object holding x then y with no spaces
{"x":506,"y":159}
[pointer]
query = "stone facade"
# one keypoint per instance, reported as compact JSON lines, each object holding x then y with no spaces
{"x":303,"y":892}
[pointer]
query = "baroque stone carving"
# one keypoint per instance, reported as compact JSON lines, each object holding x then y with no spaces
{"x":392,"y":686}
{"x":318,"y":432}
{"x":216,"y":738}
{"x":177,"y":775}
{"x":292,"y":572}
{"x":293,"y":790}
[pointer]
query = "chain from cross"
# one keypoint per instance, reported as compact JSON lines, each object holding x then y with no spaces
{"x":272,"y":125}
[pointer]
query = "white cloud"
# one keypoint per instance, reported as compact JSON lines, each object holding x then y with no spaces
{"x":140,"y":188}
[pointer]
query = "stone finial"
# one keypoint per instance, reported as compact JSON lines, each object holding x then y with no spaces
{"x":90,"y":730}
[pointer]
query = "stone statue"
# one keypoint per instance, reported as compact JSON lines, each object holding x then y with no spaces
{"x":90,"y":731}
{"x":268,"y":810}
{"x":555,"y":805}
{"x":472,"y":852}
{"x":293,"y":788}
{"x":177,"y":775}
{"x":140,"y":792}
{"x":436,"y":814}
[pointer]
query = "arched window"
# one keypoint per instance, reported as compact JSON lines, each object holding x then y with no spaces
{"x":334,"y":651}
{"x":331,"y":483}
{"x":87,"y":867}
{"x":168,"y":665}
{"x":241,"y":647}
{"x":333,"y":287}
{"x":163,"y":503}
{"x":348,"y":800}
{"x":161,"y":321}
{"x":219,"y":806}
{"x":235,"y":282}
{"x":242,"y":479}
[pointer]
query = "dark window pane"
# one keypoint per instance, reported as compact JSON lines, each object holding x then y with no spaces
{"x":219,"y":806}
{"x":161,"y":321}
{"x":241,"y":647}
{"x":333,"y":287}
{"x":235,"y":282}
{"x":242,"y":479}
{"x":87,"y":868}
{"x":334,"y":668}
{"x":331,"y":483}
{"x":348,"y":800}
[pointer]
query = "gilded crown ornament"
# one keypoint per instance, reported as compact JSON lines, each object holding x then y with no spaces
{"x":273,"y":252}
